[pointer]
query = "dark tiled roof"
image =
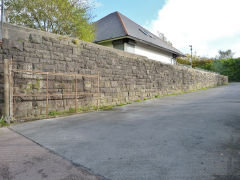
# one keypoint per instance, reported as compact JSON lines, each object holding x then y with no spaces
{"x":117,"y":25}
{"x":109,"y":27}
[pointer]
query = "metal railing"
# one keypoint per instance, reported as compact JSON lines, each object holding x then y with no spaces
{"x":47,"y":95}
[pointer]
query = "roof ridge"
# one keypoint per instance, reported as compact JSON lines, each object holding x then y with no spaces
{"x":124,"y":26}
{"x":135,"y":23}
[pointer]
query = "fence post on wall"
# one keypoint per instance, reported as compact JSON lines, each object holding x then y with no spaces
{"x":76,"y":93}
{"x":98,"y":94}
{"x":8,"y":98}
{"x":47,"y":95}
{"x":10,"y":90}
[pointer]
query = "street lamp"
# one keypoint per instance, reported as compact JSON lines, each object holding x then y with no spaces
{"x":191,"y":55}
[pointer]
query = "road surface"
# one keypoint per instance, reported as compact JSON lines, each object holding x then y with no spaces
{"x":194,"y":136}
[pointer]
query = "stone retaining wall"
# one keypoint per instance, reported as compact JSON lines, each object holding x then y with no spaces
{"x":124,"y":77}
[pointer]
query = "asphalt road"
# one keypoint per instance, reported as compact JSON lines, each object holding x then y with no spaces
{"x":195,"y":136}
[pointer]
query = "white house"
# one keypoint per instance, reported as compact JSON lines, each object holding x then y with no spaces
{"x":118,"y":31}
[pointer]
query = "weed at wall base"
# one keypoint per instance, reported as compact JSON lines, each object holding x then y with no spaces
{"x":3,"y":123}
{"x":84,"y":109}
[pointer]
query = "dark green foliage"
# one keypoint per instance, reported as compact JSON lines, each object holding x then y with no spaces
{"x":3,"y":122}
{"x":229,"y":67}
{"x":200,"y":62}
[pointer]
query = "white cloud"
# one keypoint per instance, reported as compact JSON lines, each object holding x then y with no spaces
{"x":209,"y":25}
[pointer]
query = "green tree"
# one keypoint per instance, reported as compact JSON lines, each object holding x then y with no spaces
{"x":64,"y":17}
{"x":200,"y":62}
{"x":229,"y":67}
{"x":225,"y":54}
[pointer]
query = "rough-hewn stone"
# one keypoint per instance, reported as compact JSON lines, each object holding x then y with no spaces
{"x":124,"y":77}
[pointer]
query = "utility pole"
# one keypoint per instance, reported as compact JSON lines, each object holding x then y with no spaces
{"x":191,"y":55}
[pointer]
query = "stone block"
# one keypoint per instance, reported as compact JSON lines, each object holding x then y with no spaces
{"x":35,"y":38}
{"x":15,"y":45}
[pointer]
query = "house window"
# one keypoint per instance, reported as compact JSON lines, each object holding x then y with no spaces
{"x":118,"y":44}
{"x":124,"y":45}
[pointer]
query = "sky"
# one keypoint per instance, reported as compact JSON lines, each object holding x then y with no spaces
{"x":207,"y":25}
{"x":140,"y":11}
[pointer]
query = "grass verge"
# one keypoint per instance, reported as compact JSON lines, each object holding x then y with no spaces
{"x":82,"y":109}
{"x":171,"y":94}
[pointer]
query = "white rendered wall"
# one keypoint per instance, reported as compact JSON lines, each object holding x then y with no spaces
{"x":143,"y":50}
{"x":154,"y":54}
{"x":129,"y":48}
